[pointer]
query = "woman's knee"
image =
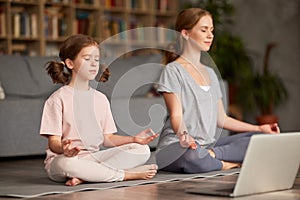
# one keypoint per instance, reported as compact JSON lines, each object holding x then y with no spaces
{"x":200,"y":162}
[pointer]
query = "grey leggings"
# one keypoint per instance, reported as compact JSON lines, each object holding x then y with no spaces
{"x":174,"y":158}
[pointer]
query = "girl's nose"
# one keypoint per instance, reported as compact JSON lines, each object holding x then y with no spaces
{"x":94,"y":62}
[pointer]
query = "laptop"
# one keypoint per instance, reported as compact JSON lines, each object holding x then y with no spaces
{"x":271,"y":163}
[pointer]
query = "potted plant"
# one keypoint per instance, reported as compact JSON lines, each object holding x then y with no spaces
{"x":268,"y":91}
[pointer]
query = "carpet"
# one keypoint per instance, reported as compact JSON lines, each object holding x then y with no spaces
{"x":28,"y":180}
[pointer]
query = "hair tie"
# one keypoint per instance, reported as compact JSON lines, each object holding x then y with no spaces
{"x":62,"y":62}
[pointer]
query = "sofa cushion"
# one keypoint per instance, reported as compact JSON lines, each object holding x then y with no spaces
{"x":2,"y":93}
{"x":40,"y":76}
{"x":25,"y":76}
{"x":15,"y":76}
{"x":135,"y":73}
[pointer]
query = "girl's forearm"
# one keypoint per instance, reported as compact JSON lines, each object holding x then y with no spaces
{"x":113,"y":140}
{"x":55,"y":145}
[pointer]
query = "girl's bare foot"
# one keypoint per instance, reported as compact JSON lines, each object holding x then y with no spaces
{"x":141,"y":172}
{"x":230,"y":165}
{"x":74,"y":181}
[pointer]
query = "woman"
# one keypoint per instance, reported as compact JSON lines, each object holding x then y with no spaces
{"x":189,"y":142}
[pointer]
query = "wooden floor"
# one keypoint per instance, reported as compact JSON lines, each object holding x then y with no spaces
{"x":172,"y":190}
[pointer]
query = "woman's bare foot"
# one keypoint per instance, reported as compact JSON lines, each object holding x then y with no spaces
{"x":73,"y":182}
{"x":230,"y":165}
{"x":212,"y":153}
{"x":141,"y":172}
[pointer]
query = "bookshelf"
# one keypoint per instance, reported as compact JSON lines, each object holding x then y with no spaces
{"x":38,"y":27}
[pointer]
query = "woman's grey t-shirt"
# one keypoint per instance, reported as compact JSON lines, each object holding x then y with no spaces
{"x":199,"y":107}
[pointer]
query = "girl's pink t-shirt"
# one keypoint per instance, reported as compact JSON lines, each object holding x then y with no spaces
{"x":82,"y":116}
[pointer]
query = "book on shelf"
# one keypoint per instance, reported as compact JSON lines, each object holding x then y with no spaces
{"x":25,"y":26}
{"x":139,"y":4}
{"x":59,"y":1}
{"x":114,"y":3}
{"x":163,"y":5}
{"x":90,"y":2}
{"x":34,"y":25}
{"x":2,"y":22}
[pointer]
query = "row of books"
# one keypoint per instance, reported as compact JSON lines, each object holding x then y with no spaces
{"x":24,"y":24}
{"x":59,"y":1}
{"x":114,"y":3}
{"x":85,"y":23}
{"x":135,"y":31}
{"x":91,"y":2}
{"x":55,"y":24}
{"x":113,"y":26}
{"x":161,"y":5}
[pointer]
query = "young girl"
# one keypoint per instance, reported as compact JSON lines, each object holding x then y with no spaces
{"x":77,"y":120}
{"x":188,"y":142}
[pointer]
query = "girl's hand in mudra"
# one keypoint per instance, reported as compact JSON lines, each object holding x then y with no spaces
{"x":70,"y":151}
{"x":145,"y":136}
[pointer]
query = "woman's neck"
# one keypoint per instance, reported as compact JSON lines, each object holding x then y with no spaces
{"x":192,"y":57}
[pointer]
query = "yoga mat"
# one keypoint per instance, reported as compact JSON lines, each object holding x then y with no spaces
{"x":30,"y":180}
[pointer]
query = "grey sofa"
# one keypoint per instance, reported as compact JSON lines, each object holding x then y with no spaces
{"x":27,"y":86}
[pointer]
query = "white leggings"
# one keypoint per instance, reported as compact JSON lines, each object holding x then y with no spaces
{"x":102,"y":166}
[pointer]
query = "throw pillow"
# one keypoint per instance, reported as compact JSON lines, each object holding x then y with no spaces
{"x":2,"y":94}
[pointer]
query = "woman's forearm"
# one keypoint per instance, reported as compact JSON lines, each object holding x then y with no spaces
{"x":178,"y":125}
{"x":239,"y":126}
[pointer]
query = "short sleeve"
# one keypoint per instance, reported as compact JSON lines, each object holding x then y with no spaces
{"x":218,"y":84}
{"x":169,"y":80}
{"x":109,"y":124}
{"x":51,"y":123}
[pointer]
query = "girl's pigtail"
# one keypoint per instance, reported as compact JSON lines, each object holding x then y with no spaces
{"x":57,"y":72}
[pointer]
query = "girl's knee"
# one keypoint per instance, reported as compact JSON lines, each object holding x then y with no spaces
{"x":61,"y":167}
{"x":145,"y":150}
{"x":142,"y":149}
{"x":141,"y":152}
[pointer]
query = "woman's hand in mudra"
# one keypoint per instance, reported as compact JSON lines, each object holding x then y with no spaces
{"x":269,"y":128}
{"x":187,"y":141}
